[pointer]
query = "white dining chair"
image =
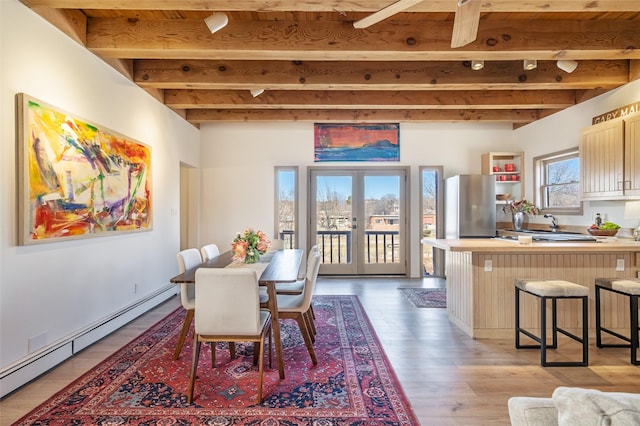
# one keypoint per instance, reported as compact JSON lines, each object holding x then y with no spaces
{"x":298,"y":286}
{"x":277,"y":244}
{"x":298,"y":306}
{"x":209,"y":251}
{"x":187,"y":259}
{"x":228,"y":309}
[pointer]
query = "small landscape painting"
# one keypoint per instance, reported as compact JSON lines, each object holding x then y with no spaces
{"x":357,"y":142}
{"x":77,"y":179}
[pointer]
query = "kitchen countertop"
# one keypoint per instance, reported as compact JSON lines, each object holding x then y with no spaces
{"x":498,"y":245}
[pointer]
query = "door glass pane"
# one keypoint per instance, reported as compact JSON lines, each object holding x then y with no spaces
{"x":286,"y":206}
{"x":382,"y":215}
{"x":428,"y":218}
{"x":334,"y":213}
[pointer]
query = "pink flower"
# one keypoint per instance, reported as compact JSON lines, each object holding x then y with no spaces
{"x":249,"y":245}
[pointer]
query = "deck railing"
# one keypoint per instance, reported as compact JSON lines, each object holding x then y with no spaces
{"x":380,"y":246}
{"x":335,"y":246}
{"x":288,"y":238}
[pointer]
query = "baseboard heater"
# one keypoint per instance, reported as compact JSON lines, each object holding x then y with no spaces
{"x":35,"y":364}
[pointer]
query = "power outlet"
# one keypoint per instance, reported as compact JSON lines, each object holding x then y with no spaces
{"x":620,"y":265}
{"x":488,"y":265}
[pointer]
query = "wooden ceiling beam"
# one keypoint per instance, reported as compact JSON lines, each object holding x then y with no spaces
{"x":363,"y":116}
{"x":73,"y":23}
{"x":534,"y":6}
{"x":302,"y":75}
{"x":315,"y":66}
{"x":387,"y":41}
{"x":307,"y":99}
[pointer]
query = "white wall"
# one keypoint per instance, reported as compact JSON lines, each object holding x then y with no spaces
{"x":59,"y":288}
{"x":561,"y":131}
{"x":241,"y":156}
{"x":238,"y":162}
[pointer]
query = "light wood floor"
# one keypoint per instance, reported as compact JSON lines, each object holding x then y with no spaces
{"x":448,"y":377}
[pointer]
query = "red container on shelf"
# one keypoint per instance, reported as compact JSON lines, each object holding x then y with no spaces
{"x":515,"y":177}
{"x":509,"y":167}
{"x":497,"y":169}
{"x":503,"y":177}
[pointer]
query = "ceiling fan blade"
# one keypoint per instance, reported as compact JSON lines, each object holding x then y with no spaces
{"x":465,"y":23}
{"x":384,"y":13}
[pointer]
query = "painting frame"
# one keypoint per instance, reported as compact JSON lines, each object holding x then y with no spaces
{"x":378,"y":142}
{"x":77,"y":179}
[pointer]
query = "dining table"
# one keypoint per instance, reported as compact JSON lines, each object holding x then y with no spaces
{"x":282,"y":266}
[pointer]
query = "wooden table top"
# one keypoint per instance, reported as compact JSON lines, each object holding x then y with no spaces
{"x":283,"y":266}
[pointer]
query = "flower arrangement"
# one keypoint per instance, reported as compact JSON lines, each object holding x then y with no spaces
{"x":521,"y":206}
{"x":248,"y":246}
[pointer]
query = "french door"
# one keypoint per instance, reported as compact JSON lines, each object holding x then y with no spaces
{"x":357,"y":219}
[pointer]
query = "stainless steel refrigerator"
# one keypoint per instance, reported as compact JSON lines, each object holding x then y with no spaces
{"x":470,"y":206}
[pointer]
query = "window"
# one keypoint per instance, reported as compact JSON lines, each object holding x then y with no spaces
{"x":557,"y":178}
{"x":431,"y":219}
{"x":286,"y":205}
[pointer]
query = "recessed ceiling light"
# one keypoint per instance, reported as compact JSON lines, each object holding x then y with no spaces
{"x":530,"y":64}
{"x":257,"y":92}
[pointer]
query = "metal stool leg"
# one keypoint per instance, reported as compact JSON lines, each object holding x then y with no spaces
{"x":585,"y":330}
{"x":598,"y":319}
{"x":517,"y":305}
{"x":543,"y":331}
{"x":554,"y":322}
{"x":633,"y":302}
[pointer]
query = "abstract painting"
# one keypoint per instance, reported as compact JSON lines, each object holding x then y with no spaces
{"x":357,"y":142}
{"x":77,"y":179}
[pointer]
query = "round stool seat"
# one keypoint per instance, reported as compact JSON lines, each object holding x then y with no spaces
{"x":628,"y":286}
{"x":552,"y":288}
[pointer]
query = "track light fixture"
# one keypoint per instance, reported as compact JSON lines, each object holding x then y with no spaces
{"x":530,"y":64}
{"x":477,"y":65}
{"x":567,"y":66}
{"x":257,"y":92}
{"x":216,"y":21}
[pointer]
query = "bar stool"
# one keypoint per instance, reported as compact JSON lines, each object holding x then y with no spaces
{"x":631,"y":289}
{"x":553,"y":290}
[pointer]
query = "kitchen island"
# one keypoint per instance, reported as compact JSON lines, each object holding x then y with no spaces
{"x":480,"y":276}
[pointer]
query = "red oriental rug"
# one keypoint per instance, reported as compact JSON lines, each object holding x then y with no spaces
{"x":141,"y":384}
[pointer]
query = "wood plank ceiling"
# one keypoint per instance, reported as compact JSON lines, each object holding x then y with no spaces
{"x":315,"y":66}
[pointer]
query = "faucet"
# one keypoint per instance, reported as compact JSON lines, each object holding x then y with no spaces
{"x":554,"y":225}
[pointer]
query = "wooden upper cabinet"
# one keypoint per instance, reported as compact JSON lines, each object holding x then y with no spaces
{"x":602,"y":161}
{"x":632,"y":155}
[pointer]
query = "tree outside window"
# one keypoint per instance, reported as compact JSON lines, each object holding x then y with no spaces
{"x":557,"y":177}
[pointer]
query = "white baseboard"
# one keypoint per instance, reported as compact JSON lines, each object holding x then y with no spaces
{"x":33,"y":365}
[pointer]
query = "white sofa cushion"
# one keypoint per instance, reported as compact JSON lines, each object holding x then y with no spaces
{"x":531,"y":411}
{"x":587,"y":407}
